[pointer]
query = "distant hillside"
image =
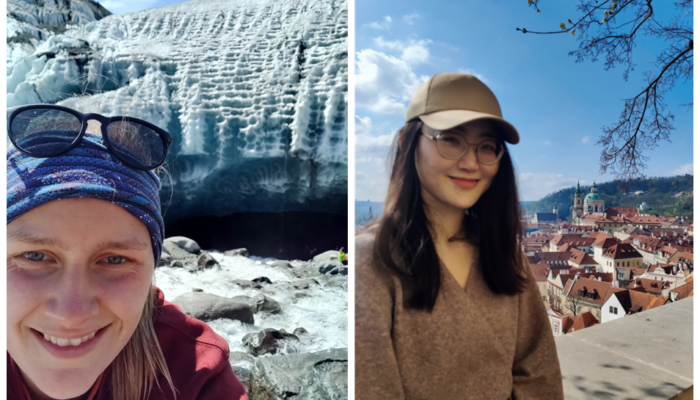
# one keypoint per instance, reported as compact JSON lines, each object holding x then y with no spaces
{"x":362,"y":209}
{"x":658,"y":194}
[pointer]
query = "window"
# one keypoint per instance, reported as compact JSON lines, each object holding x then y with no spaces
{"x":578,"y":309}
{"x":591,"y":296}
{"x":556,"y":326}
{"x":615,"y":310}
{"x":611,"y":309}
{"x":597,"y":313}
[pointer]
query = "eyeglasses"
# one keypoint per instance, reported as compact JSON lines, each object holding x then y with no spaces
{"x":453,"y":146}
{"x":47,"y":130}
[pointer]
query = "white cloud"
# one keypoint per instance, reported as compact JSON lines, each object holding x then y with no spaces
{"x":411,"y":18}
{"x":683,"y":169}
{"x":585,"y":139}
{"x":472,"y":72}
{"x":373,"y":144}
{"x":535,"y":186}
{"x":128,"y":6}
{"x":363,"y":126}
{"x":371,"y":160}
{"x":412,"y":51}
{"x":383,"y":83}
{"x":547,"y":142}
{"x":382,"y":25}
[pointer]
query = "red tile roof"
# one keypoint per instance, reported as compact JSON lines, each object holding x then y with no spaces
{"x":586,"y":286}
{"x":684,"y":291}
{"x":582,"y":321}
{"x":578,"y":257}
{"x":621,"y":251}
{"x":646,"y":285}
{"x":633,"y":302}
{"x":622,"y":211}
{"x":540,"y":270}
{"x":645,"y":220}
{"x":572,"y":240}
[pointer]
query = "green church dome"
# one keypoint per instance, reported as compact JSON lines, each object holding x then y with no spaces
{"x":594,"y":196}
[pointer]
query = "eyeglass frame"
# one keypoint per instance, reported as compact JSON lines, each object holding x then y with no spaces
{"x":466,"y":149}
{"x":84,"y":119}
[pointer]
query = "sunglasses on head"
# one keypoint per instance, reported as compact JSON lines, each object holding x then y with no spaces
{"x":48,"y":131}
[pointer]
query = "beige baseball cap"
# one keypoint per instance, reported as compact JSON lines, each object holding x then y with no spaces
{"x":451,"y":99}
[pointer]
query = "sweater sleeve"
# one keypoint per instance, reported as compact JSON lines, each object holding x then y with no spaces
{"x":376,"y":370}
{"x":536,"y":371}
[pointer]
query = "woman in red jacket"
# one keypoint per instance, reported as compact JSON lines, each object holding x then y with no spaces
{"x":84,"y":235}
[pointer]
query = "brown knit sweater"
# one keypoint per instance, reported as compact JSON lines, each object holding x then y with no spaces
{"x":474,"y":344}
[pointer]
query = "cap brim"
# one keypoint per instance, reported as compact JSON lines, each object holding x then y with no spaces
{"x":447,"y":119}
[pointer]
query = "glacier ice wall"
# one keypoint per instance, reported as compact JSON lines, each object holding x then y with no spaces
{"x":254,"y":93}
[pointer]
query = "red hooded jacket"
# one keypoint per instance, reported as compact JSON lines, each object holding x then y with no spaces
{"x":197,"y":360}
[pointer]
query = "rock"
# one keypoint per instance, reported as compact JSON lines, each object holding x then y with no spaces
{"x":243,"y":252}
{"x":281,"y":264}
{"x":165,"y":259}
{"x":267,"y":304}
{"x":206,"y":261}
{"x":184,"y":243}
{"x":208,"y":307}
{"x":177,"y":264}
{"x":266,"y":341}
{"x":300,"y":332}
{"x":330,"y":255}
{"x":239,"y":356}
{"x":246,"y":284}
{"x":260,"y":302}
{"x":321,"y":375}
{"x":332,"y":268}
{"x":304,"y":283}
{"x":175,"y":251}
{"x":337,"y":281}
{"x":301,"y":295}
{"x":262,"y":279}
{"x":197,"y":290}
{"x":244,"y":373}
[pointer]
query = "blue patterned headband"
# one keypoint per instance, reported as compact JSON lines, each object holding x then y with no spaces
{"x":89,"y":170}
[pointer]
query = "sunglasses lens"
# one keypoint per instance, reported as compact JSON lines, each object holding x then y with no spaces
{"x":140,"y":145}
{"x":44,"y":132}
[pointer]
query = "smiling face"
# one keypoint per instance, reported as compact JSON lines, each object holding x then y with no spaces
{"x":78,"y":275}
{"x":450,"y":185}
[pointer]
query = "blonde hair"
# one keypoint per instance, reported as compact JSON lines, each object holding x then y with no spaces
{"x":138,"y":364}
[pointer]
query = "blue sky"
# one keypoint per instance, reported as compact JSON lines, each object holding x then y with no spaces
{"x":557,"y":105}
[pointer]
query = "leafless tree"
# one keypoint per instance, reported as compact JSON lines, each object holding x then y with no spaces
{"x":573,"y":303}
{"x":609,"y":30}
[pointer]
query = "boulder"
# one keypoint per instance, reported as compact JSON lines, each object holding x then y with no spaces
{"x":246,"y":284}
{"x":262,"y":279}
{"x":243,"y":252}
{"x":206,"y":261}
{"x":281,"y":264}
{"x":184,"y":243}
{"x":266,"y":341}
{"x":175,"y":251}
{"x":177,"y":264}
{"x":300,"y":331}
{"x":260,"y":302}
{"x":208,"y":307}
{"x":239,"y":356}
{"x":165,"y":259}
{"x":197,"y":290}
{"x":330,"y":255}
{"x":321,"y":375}
{"x":337,"y":281}
{"x":333,"y":268}
{"x":304,"y":283}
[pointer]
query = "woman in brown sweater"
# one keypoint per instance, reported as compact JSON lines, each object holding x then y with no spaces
{"x":446,"y":306}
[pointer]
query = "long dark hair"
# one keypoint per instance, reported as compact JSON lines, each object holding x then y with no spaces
{"x":404,"y":242}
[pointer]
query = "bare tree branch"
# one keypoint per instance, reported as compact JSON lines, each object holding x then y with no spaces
{"x":644,"y":120}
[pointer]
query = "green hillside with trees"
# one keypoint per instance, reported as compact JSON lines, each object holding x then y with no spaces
{"x":658,"y":193}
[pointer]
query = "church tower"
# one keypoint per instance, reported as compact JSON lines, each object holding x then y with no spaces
{"x":594,"y":204}
{"x":578,"y":203}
